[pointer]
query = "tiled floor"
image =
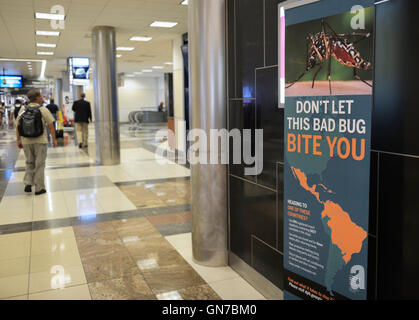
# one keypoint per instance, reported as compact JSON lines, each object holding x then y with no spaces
{"x":103,"y":232}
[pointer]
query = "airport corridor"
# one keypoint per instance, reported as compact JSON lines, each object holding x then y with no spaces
{"x":117,"y":232}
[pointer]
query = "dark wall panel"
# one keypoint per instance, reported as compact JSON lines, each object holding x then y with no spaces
{"x":249,"y":45}
{"x":396,"y":112}
{"x":268,"y":262}
{"x":271,"y":119}
{"x":252,"y":212}
{"x":241,"y":116}
{"x":398,"y":246}
{"x":271,"y":32}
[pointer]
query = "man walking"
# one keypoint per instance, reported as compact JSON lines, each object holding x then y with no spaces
{"x":32,"y":137}
{"x":53,"y":108}
{"x":83,"y":114}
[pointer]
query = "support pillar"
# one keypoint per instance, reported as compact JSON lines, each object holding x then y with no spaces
{"x":106,"y":100}
{"x":208,"y":98}
{"x":59,"y":92}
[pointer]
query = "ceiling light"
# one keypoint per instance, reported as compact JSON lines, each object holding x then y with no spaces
{"x":169,"y":63}
{"x":140,"y":38}
{"x":45,"y":53}
{"x":22,"y":60}
{"x":49,"y":16}
{"x":119,"y":55}
{"x":47,"y":33}
{"x":138,"y":73}
{"x":46,"y":45}
{"x":147,"y":70}
{"x":163,"y":24}
{"x":158,"y":67}
{"x":125,"y":48}
{"x":184,"y":2}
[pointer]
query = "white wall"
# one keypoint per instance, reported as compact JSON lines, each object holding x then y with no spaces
{"x":178,"y":93}
{"x":136,"y":94}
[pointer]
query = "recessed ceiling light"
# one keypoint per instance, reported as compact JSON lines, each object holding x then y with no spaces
{"x":125,"y":48}
{"x":169,"y":63}
{"x":140,"y":38}
{"x":147,"y":70}
{"x":138,"y":73}
{"x":158,"y":67}
{"x":163,"y":24}
{"x":45,"y":53}
{"x":119,"y":55}
{"x":46,"y":45}
{"x":49,"y":16}
{"x":47,"y":33}
{"x":184,"y":2}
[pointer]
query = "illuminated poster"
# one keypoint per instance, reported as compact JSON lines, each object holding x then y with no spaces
{"x":79,"y":71}
{"x":328,"y":104}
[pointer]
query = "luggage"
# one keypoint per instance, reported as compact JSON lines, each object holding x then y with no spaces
{"x":30,"y":123}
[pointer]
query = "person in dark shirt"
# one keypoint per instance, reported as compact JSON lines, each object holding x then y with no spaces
{"x":82,"y":117}
{"x":53,"y":108}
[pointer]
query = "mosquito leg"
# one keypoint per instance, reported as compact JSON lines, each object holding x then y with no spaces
{"x":356,"y":76}
{"x":298,"y":79}
{"x":311,"y":63}
{"x":315,"y":75}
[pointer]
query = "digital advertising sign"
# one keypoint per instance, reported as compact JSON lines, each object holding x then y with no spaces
{"x":11,"y":82}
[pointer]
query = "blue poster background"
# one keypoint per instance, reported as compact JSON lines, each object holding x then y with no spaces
{"x":348,"y":181}
{"x":314,"y":266}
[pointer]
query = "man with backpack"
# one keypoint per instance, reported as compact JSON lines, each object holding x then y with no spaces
{"x":32,"y":137}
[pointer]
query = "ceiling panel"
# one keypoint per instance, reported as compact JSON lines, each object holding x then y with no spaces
{"x":129,"y":17}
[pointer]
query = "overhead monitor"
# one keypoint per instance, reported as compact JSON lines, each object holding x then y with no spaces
{"x":11,"y":82}
{"x":79,"y":68}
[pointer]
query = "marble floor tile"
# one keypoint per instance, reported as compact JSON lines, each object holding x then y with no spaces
{"x":154,"y":260}
{"x":48,"y":262}
{"x":90,"y":230}
{"x":58,"y":278}
{"x":203,"y":292}
{"x":71,"y":293}
{"x":117,"y":203}
{"x":99,"y":245}
{"x":236,"y":289}
{"x":139,"y":228}
{"x":171,"y":218}
{"x":15,"y":245}
{"x":181,"y":241}
{"x":115,"y":265}
{"x":170,"y":278}
{"x":143,"y":247}
{"x":53,"y":245}
{"x":14,"y":267}
{"x":177,"y":228}
{"x":129,"y":287}
{"x":162,"y":194}
{"x":24,"y":297}
{"x":152,"y":170}
{"x":55,"y":234}
{"x":14,"y":286}
{"x":50,"y":206}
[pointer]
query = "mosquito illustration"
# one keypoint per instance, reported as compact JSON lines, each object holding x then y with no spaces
{"x":323,"y":46}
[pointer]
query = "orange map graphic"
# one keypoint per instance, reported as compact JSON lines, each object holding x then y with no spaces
{"x":345,"y":233}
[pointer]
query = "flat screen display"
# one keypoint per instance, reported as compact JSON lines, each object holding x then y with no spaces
{"x":11,"y":82}
{"x":80,"y":71}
